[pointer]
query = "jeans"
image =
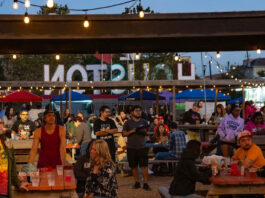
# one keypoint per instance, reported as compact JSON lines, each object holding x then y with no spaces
{"x":83,"y":148}
{"x":164,"y":156}
{"x":163,"y":191}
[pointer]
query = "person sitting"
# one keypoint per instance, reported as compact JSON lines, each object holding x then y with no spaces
{"x":101,"y":178}
{"x":248,"y":154}
{"x":177,"y":142}
{"x":161,"y":121}
{"x":256,"y":125}
{"x":81,"y":169}
{"x":186,"y":174}
{"x":218,"y":114}
{"x":228,"y":129}
{"x":192,"y":117}
{"x":160,"y":135}
{"x":122,"y":118}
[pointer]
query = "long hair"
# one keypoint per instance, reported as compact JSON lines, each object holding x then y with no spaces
{"x":158,"y":132}
{"x":256,"y":114}
{"x":223,"y":112}
{"x":103,"y":154}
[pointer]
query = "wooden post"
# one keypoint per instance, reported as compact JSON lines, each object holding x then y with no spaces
{"x":243,"y":102}
{"x":174,"y":103}
{"x":61,"y":104}
{"x":141,"y":98}
{"x":70,"y":99}
{"x":215,"y":100}
{"x":157,"y":101}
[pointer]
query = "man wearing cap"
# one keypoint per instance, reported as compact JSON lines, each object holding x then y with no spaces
{"x":249,"y":155}
{"x":190,"y":117}
{"x":52,"y":139}
{"x":161,"y":121}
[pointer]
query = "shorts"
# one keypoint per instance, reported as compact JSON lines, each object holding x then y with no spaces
{"x":137,"y":157}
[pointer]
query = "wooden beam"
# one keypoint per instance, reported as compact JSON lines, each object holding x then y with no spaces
{"x":157,"y":101}
{"x":186,"y":32}
{"x":215,"y":101}
{"x":174,"y":103}
{"x":243,"y":102}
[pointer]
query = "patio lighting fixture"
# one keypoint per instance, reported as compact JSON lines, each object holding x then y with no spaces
{"x":258,"y":51}
{"x":141,"y":14}
{"x":26,"y":18}
{"x":14,"y":56}
{"x":15,"y":4}
{"x":50,"y":3}
{"x":218,"y":55}
{"x":27,"y":3}
{"x":57,"y":57}
{"x":86,"y":23}
{"x":176,"y":57}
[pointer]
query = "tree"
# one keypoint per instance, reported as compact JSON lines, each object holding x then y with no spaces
{"x":57,"y":9}
{"x":261,"y":73}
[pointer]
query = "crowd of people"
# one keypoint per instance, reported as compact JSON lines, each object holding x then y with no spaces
{"x":137,"y":132}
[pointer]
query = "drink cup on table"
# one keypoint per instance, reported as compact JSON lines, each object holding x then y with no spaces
{"x":253,"y":172}
{"x":197,"y":122}
{"x":68,"y":175}
{"x":35,"y":180}
{"x":51,"y":178}
{"x":59,"y":169}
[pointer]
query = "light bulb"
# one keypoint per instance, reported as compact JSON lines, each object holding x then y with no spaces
{"x":15,"y":5}
{"x":218,"y":55}
{"x":50,"y":3}
{"x":57,"y":57}
{"x":137,"y":56}
{"x":258,"y":51}
{"x":14,"y":56}
{"x":176,"y":58}
{"x":27,"y":3}
{"x":26,"y":18}
{"x":141,"y":14}
{"x":86,"y":24}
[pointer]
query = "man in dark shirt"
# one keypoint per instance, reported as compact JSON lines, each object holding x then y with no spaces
{"x":135,"y":129}
{"x":23,"y":127}
{"x":104,"y":128}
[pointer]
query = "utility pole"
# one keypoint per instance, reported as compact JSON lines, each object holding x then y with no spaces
{"x":210,"y":69}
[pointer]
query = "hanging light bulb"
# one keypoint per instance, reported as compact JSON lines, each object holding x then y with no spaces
{"x":137,"y":56}
{"x":57,"y":57}
{"x":15,"y":4}
{"x":50,"y":3}
{"x":141,"y":14}
{"x":14,"y":56}
{"x":218,"y":55}
{"x":176,"y":57}
{"x":86,"y":22}
{"x":258,"y":51}
{"x":27,"y":3}
{"x":26,"y":18}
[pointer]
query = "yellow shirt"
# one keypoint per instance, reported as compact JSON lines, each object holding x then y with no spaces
{"x":254,"y":154}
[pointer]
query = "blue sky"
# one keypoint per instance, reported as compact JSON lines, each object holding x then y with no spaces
{"x":163,"y":6}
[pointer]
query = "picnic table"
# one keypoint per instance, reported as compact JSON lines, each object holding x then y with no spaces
{"x":62,"y":188}
{"x":236,"y":185}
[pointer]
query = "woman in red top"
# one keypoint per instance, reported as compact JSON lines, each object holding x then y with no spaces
{"x":52,"y":138}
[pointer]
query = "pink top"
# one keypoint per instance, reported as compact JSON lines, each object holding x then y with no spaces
{"x":251,"y":127}
{"x":50,"y":148}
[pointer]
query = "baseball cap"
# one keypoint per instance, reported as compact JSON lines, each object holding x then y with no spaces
{"x":160,"y":118}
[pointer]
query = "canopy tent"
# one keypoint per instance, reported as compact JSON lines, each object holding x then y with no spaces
{"x":136,"y":96}
{"x":75,"y":97}
{"x":239,"y":100}
{"x":198,"y":94}
{"x":21,"y":96}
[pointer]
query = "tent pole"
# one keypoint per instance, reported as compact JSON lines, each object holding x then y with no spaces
{"x":243,"y":102}
{"x":70,"y":90}
{"x":61,"y":104}
{"x":141,"y":98}
{"x":215,"y":100}
{"x":157,"y":101}
{"x":174,"y":103}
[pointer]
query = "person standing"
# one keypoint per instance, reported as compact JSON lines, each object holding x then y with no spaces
{"x":135,"y":130}
{"x":83,"y":134}
{"x":8,"y":170}
{"x":52,"y":139}
{"x":24,"y":126}
{"x":228,"y":130}
{"x":104,"y":128}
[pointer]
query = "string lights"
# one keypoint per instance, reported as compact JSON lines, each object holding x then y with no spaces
{"x":14,"y":56}
{"x":57,"y":57}
{"x":27,"y":3}
{"x":86,"y":23}
{"x":15,"y":5}
{"x":218,"y":55}
{"x":26,"y":18}
{"x":50,"y":3}
{"x":176,"y":57}
{"x":258,"y":51}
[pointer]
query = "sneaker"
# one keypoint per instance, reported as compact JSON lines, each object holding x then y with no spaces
{"x":137,"y":185}
{"x":146,"y":187}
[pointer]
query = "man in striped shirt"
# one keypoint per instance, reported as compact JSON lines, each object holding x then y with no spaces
{"x":177,"y":142}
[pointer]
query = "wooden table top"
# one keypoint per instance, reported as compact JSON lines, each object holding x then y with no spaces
{"x":237,"y":180}
{"x":60,"y":183}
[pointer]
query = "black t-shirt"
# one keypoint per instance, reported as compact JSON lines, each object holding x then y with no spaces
{"x":108,"y":124}
{"x":20,"y":126}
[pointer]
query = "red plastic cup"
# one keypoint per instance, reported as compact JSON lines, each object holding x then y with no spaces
{"x":234,"y":166}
